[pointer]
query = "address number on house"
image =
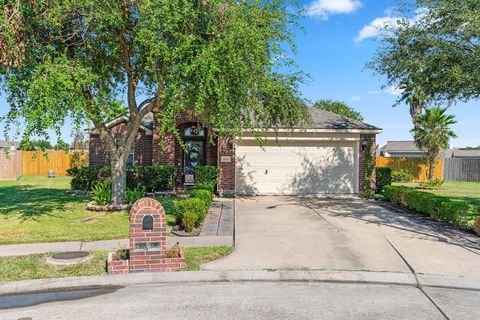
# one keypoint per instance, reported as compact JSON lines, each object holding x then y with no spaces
{"x":225,"y":159}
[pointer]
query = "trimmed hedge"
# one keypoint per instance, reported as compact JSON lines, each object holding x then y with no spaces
{"x":203,"y":194}
{"x":152,"y":178}
{"x":188,"y":206}
{"x":384,"y":177}
{"x":437,"y":207}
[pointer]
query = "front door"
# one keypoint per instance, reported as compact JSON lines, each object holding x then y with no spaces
{"x":193,"y":157}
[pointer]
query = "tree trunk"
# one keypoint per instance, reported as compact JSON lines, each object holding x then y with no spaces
{"x":415,"y":108}
{"x":119,"y":176}
{"x":431,"y":169}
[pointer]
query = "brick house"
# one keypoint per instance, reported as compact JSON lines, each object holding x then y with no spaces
{"x":328,"y":157}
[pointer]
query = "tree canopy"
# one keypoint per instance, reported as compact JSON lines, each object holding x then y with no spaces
{"x":84,"y":59}
{"x":435,"y":55}
{"x":338,"y":107}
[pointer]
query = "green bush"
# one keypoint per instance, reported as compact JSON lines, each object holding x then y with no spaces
{"x":437,"y":207}
{"x":134,"y":194}
{"x":153,"y":178}
{"x":435,"y":183}
{"x":205,"y":195}
{"x":402,"y":176}
{"x":196,"y":205}
{"x":189,"y":220}
{"x":102,"y":193}
{"x":159,"y":177}
{"x":206,"y":177}
{"x":384,"y":178}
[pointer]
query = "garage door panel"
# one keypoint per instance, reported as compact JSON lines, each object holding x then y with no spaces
{"x":297,"y":169}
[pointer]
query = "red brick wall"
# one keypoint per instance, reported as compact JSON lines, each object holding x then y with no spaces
{"x":98,"y":156}
{"x":226,"y":184}
{"x":372,"y":138}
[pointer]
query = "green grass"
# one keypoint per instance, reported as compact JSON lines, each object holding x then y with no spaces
{"x":455,"y":190}
{"x":36,"y":209}
{"x":36,"y":267}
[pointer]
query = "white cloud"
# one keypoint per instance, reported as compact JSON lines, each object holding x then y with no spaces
{"x":394,"y":91}
{"x":324,"y":8}
{"x":356,"y":98}
{"x":374,"y":92}
{"x":373,"y":29}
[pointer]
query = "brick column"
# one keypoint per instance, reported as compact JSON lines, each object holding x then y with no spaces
{"x":226,"y":183}
{"x":373,"y":141}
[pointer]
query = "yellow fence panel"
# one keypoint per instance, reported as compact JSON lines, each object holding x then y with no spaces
{"x":418,"y":167}
{"x":38,"y":163}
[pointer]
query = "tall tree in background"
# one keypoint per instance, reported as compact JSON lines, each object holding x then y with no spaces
{"x":81,"y":59}
{"x":338,"y":107}
{"x":432,"y":133}
{"x":436,"y":55}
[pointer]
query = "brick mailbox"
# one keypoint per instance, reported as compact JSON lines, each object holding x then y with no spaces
{"x":148,"y":242}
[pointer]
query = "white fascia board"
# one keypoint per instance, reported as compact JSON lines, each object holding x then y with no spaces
{"x":361,"y":131}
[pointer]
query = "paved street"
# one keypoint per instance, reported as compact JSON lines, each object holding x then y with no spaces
{"x":261,"y":301}
{"x":332,"y":233}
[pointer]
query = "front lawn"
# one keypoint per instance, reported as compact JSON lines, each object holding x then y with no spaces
{"x":36,"y":267}
{"x":36,"y":209}
{"x":455,"y":190}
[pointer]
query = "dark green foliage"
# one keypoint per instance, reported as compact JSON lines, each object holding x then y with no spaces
{"x":402,"y":176}
{"x":206,"y":177}
{"x":437,"y":207}
{"x":436,"y":183}
{"x":31,"y":145}
{"x":159,"y":177}
{"x":153,"y":178}
{"x":134,"y":194}
{"x":384,"y":178}
{"x":338,"y":107}
{"x":102,"y":193}
{"x":368,"y":192}
{"x":189,"y":205}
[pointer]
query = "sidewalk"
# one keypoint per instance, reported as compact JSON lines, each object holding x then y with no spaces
{"x":217,"y":231}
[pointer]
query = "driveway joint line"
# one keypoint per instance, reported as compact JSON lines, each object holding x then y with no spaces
{"x":417,"y":280}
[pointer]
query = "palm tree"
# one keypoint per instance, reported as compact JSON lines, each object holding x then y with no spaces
{"x":432,"y":133}
{"x":414,"y":96}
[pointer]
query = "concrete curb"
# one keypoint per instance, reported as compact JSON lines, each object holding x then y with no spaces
{"x":385,"y":278}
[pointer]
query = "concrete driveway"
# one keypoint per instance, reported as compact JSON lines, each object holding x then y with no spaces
{"x":345,"y":233}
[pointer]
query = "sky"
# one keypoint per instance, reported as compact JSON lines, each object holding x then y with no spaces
{"x":337,"y":41}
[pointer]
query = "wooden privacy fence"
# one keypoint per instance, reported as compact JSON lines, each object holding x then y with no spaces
{"x":36,"y":163}
{"x":10,"y":165}
{"x":418,"y":167}
{"x":458,"y":169}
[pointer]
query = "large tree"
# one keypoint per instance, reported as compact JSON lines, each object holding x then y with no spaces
{"x":338,"y":107}
{"x":432,"y":133}
{"x":81,"y":59}
{"x":435,"y":54}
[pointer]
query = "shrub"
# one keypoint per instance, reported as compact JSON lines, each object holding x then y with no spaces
{"x":154,"y":178}
{"x":384,"y":178}
{"x":181,"y":207}
{"x":159,"y":177}
{"x":206,"y":177}
{"x":437,"y":207}
{"x":205,"y":195}
{"x":85,"y":178}
{"x":102,"y":193}
{"x":189,"y":220}
{"x":402,"y":176}
{"x":134,"y":194}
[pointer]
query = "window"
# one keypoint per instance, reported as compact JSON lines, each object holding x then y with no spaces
{"x":131,"y":156}
{"x":194,"y":132}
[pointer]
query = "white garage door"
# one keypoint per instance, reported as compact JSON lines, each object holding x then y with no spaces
{"x":296,"y":168}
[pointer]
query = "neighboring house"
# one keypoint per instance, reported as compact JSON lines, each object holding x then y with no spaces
{"x":400,"y":149}
{"x":328,"y":157}
{"x":460,"y":154}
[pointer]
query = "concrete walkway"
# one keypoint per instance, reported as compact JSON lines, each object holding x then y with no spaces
{"x":332,"y":233}
{"x":217,"y":231}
